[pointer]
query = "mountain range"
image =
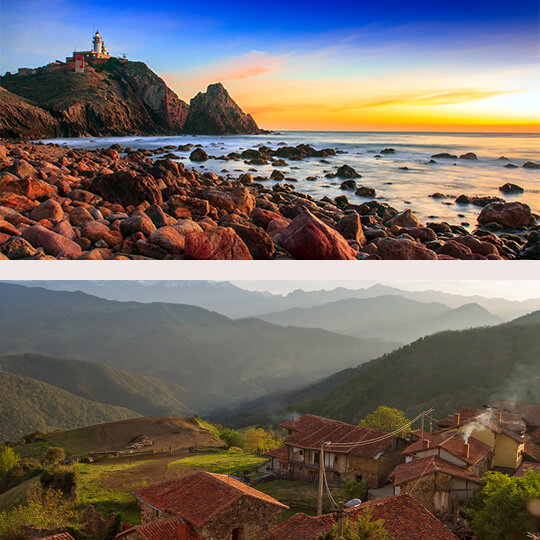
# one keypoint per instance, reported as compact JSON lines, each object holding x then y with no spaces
{"x":117,"y":98}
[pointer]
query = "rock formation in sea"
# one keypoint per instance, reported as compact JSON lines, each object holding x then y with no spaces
{"x":114,"y":98}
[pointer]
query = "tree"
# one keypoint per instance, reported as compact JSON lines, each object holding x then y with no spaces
{"x":55,"y":455}
{"x":386,"y":419}
{"x":499,"y":510}
{"x":366,"y":528}
{"x":259,"y":441}
{"x":354,"y":489}
{"x":8,"y":460}
{"x":231,"y":438}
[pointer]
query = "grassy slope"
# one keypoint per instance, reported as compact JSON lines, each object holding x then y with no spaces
{"x":234,"y":463}
{"x":446,"y":371}
{"x":143,"y":394}
{"x":27,"y":405}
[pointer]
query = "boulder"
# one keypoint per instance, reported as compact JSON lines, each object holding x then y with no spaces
{"x":262,"y":217}
{"x":158,"y":216}
{"x":17,"y":248}
{"x":239,"y":199}
{"x":48,"y":209}
{"x":348,"y":185}
{"x":169,"y":239}
{"x":444,"y":155}
{"x":22,"y":169}
{"x":531,"y":165}
{"x":51,"y":242}
{"x":345,"y":171}
{"x":405,"y":219}
{"x":137,"y":223}
{"x":79,"y":216}
{"x":199,"y":155}
{"x":127,"y":188}
{"x":28,"y":187}
{"x":350,"y":227}
{"x":7,"y":228}
{"x":307,"y":237}
{"x":187,"y":226}
{"x":424,"y":234}
{"x":401,"y":248}
{"x":65,"y":229}
{"x":277,"y":175}
{"x":514,"y":215}
{"x":246,"y":178}
{"x":456,"y":250}
{"x":388,"y":151}
{"x":477,"y":245}
{"x":511,"y":188}
{"x":257,"y":240}
{"x":469,"y":155}
{"x":221,"y":243}
{"x":20,"y":203}
{"x":364,"y":191}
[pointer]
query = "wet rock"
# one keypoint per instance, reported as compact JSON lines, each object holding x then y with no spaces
{"x":424,"y":234}
{"x":455,"y":250}
{"x":51,"y":242}
{"x":127,"y":188}
{"x":348,"y":185}
{"x":531,"y":165}
{"x":307,"y":237}
{"x":221,"y":243}
{"x":48,"y":209}
{"x":199,"y":155}
{"x":256,"y":239}
{"x":277,"y":175}
{"x":345,"y":171}
{"x":511,"y":166}
{"x":405,"y":219}
{"x":514,"y":215}
{"x":440,"y":228}
{"x":469,"y":155}
{"x":246,"y":178}
{"x":364,"y":191}
{"x":477,"y":246}
{"x":388,"y":151}
{"x":511,"y":188}
{"x":400,"y":248}
{"x":444,"y":155}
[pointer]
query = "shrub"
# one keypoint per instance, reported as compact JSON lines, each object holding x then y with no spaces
{"x":8,"y":460}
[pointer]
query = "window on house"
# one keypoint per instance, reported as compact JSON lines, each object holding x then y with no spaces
{"x":359,"y":478}
{"x":236,"y":534}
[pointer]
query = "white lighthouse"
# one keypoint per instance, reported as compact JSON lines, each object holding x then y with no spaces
{"x":98,"y":43}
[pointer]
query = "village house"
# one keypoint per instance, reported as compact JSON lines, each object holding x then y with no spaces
{"x":437,"y":484}
{"x":404,"y":519}
{"x":59,"y":536}
{"x":215,"y":506}
{"x":454,"y":447}
{"x":279,"y":460}
{"x":166,"y":529}
{"x":504,"y":432}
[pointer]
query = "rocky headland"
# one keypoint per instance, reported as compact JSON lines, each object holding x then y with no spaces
{"x":111,"y":99}
{"x":122,"y":203}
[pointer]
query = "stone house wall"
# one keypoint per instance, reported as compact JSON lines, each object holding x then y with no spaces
{"x":432,"y":491}
{"x":149,"y":514}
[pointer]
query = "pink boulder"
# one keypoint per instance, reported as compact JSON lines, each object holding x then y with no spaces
{"x":514,"y":215}
{"x":51,"y":242}
{"x":49,"y":209}
{"x":221,"y":243}
{"x":401,"y":248}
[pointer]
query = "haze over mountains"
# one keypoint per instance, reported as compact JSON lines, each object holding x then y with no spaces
{"x":116,"y":359}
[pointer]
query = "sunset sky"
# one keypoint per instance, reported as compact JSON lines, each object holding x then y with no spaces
{"x":394,"y":65}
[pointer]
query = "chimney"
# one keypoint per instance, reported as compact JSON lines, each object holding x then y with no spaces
{"x":425,"y":444}
{"x":457,"y":415}
{"x":181,"y":530}
{"x":467,"y":449}
{"x":500,"y":413}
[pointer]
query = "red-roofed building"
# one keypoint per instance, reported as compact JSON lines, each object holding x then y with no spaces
{"x":404,"y":519}
{"x":502,"y":431}
{"x":454,"y":447}
{"x":279,"y":459}
{"x":60,"y":536}
{"x":435,"y":483}
{"x":530,"y":412}
{"x":215,"y":505}
{"x":165,"y":529}
{"x":525,"y":466}
{"x":348,"y":453}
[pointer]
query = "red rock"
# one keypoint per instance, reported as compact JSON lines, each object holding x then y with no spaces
{"x":94,"y":231}
{"x":17,"y":247}
{"x":128,"y":188}
{"x":239,"y":198}
{"x":137,"y":223}
{"x":169,"y":239}
{"x":195,"y":206}
{"x":3,"y":257}
{"x":514,"y":215}
{"x":28,"y":187}
{"x":84,"y":243}
{"x":455,"y":249}
{"x":82,"y":195}
{"x":152,"y":251}
{"x":8,"y":228}
{"x":276,"y":226}
{"x":405,"y":219}
{"x":424,"y":234}
{"x":52,"y":243}
{"x":221,"y":243}
{"x":350,"y":228}
{"x":260,"y":245}
{"x":65,"y":229}
{"x":17,"y":202}
{"x":187,"y":226}
{"x":262,"y":217}
{"x":22,"y":169}
{"x":49,"y":209}
{"x":307,"y":237}
{"x":110,"y":153}
{"x":478,"y":246}
{"x":158,"y":216}
{"x":4,"y":237}
{"x":400,"y":248}
{"x":79,"y":216}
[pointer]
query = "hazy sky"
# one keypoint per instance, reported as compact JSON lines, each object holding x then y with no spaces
{"x":397,"y":65}
{"x":512,"y":290}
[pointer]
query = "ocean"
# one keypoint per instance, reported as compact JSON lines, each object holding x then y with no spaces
{"x":405,"y":179}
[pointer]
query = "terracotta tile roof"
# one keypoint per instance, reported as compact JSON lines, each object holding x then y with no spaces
{"x":60,"y":536}
{"x":532,"y":450}
{"x":535,"y":435}
{"x":525,"y":466}
{"x":200,"y":496}
{"x":405,"y":472}
{"x":305,"y":423}
{"x":281,"y":454}
{"x":529,"y":411}
{"x":404,"y":519}
{"x":313,"y":434}
{"x":454,"y":443}
{"x":165,"y":529}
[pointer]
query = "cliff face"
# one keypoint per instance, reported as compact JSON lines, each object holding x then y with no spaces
{"x":19,"y":118}
{"x":214,"y":112}
{"x":115,"y":98}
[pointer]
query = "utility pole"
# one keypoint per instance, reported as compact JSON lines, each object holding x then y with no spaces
{"x":321,"y":480}
{"x":340,"y":519}
{"x":422,"y":425}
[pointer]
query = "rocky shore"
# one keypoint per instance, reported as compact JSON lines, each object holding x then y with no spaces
{"x":122,"y":204}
